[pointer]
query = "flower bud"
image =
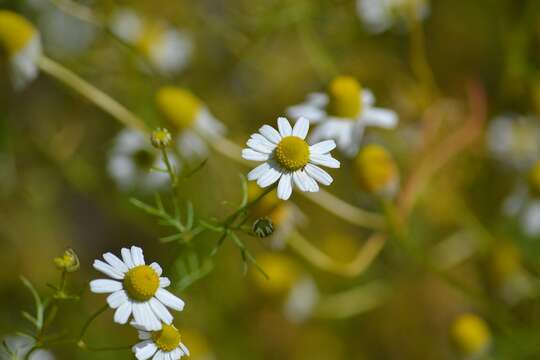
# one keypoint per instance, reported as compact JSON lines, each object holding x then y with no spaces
{"x":68,"y":262}
{"x":376,"y":171}
{"x":470,"y":334}
{"x":161,"y":138}
{"x":263,"y":227}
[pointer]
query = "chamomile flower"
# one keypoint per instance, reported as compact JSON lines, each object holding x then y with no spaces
{"x":17,"y":347}
{"x":131,"y":159}
{"x":191,"y":119}
{"x":136,"y":289}
{"x":22,"y":44}
{"x":471,"y":335}
{"x":343,"y":113}
{"x":376,"y":171}
{"x":380,"y":15}
{"x":168,"y":49}
{"x":288,"y":158}
{"x":164,"y":344}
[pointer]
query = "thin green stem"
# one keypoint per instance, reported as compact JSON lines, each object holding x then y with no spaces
{"x":90,"y":320}
{"x":170,"y":169}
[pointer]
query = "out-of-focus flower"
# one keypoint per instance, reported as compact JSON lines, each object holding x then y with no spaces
{"x":168,"y":49}
{"x":287,"y":281}
{"x":161,"y":138}
{"x":514,"y":140}
{"x":343,"y":114}
{"x":376,"y":171}
{"x":131,"y":160}
{"x":164,"y":344}
{"x":288,"y":158}
{"x":17,"y":347}
{"x":199,"y":348}
{"x":68,"y":262}
{"x":191,"y":118}
{"x":471,"y":335}
{"x":136,"y":288}
{"x":22,"y":43}
{"x":381,"y":15}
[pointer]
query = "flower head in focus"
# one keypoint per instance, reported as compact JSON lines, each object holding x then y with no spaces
{"x":343,"y":113}
{"x":163,"y":344}
{"x":288,"y":158}
{"x":136,"y":289}
{"x":68,"y":262}
{"x":471,"y":335}
{"x":22,"y":44}
{"x":17,"y":347}
{"x":190,"y":117}
{"x":131,"y":160}
{"x":169,"y":50}
{"x":376,"y":171}
{"x":380,"y":15}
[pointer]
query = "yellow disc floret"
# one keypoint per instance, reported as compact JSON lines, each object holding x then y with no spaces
{"x":292,"y":153}
{"x":534,"y":179}
{"x":15,"y":32}
{"x":178,"y":105}
{"x":167,"y":339}
{"x":345,"y":97}
{"x":375,"y":169}
{"x":141,"y":282}
{"x":470,"y":334}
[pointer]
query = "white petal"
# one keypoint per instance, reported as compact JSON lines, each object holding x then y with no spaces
{"x":184,"y":349}
{"x":143,"y":314}
{"x":250,"y":154}
{"x":284,"y":189}
{"x":169,"y":299}
{"x":311,"y":183}
{"x":258,"y":171}
{"x":299,"y":181}
{"x":318,"y":174}
{"x":322,"y":147}
{"x":260,"y":146}
{"x":313,"y":113}
{"x":284,"y":127}
{"x":176,"y":354}
{"x":325,"y":160}
{"x":156,"y":268}
{"x":269,"y":177}
{"x":126,"y":256}
{"x":367,"y":98}
{"x":105,"y":286}
{"x":161,"y":311}
{"x":159,"y":356}
{"x":270,"y":133}
{"x":144,"y":335}
{"x":137,"y":256}
{"x":301,"y":128}
{"x":380,"y":117}
{"x":117,"y":298}
{"x":263,"y":140}
{"x":107,"y":269}
{"x":144,"y":350}
{"x":115,"y":262}
{"x":123,"y":313}
{"x":164,"y":282}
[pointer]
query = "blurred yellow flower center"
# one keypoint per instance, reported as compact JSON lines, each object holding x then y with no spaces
{"x":471,"y":334}
{"x":151,"y":36}
{"x":345,"y":97}
{"x":292,"y":153}
{"x":141,"y":282}
{"x":374,"y":168}
{"x":282,"y":273}
{"x":167,"y":339}
{"x":15,"y":32}
{"x":534,"y":179}
{"x":178,"y":105}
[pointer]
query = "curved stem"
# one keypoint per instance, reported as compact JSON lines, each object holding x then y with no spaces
{"x":90,"y":320}
{"x":98,"y":97}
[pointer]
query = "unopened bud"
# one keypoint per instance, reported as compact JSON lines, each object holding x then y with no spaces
{"x":68,"y":262}
{"x":161,"y":138}
{"x":263,"y":227}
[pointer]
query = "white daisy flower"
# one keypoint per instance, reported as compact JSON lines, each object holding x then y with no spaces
{"x":131,"y":159}
{"x":22,"y":43}
{"x":288,"y":158}
{"x":164,"y":344}
{"x":192,"y":120}
{"x":169,"y":50}
{"x":380,"y":15}
{"x":343,"y":113}
{"x":136,"y":289}
{"x":17,"y":347}
{"x":302,"y":299}
{"x":514,"y":140}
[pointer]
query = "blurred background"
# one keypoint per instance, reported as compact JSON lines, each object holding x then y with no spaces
{"x":463,"y":77}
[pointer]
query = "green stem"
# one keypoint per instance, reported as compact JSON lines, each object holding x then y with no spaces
{"x":170,"y":170}
{"x":91,"y":319}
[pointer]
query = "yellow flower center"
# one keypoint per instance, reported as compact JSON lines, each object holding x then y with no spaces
{"x":470,"y":334}
{"x":292,"y":153}
{"x":141,"y":282}
{"x":178,"y":105}
{"x":167,"y":339}
{"x":282,"y":274}
{"x":345,"y":97}
{"x":15,"y":32}
{"x":151,"y":35}
{"x":534,"y":179}
{"x":375,"y":169}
